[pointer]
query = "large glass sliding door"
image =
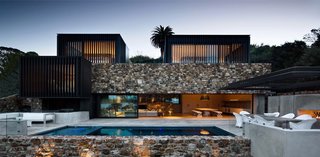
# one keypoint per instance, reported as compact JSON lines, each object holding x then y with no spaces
{"x":118,"y":106}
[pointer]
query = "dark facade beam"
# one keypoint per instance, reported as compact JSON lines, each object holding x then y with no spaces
{"x":294,"y":78}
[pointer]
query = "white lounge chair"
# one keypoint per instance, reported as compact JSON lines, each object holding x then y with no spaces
{"x":262,"y":121}
{"x":305,"y":124}
{"x":238,"y":120}
{"x":244,"y":112}
{"x":197,"y":113}
{"x":274,"y":114}
{"x":289,"y":115}
{"x":304,"y":117}
{"x":246,"y":119}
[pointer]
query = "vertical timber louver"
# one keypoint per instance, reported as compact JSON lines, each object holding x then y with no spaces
{"x":207,"y":49}
{"x":97,"y":48}
{"x":55,"y":77}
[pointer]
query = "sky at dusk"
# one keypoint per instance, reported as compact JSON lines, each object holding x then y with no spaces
{"x":33,"y":25}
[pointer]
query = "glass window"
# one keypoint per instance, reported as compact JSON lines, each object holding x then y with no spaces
{"x":119,"y":106}
{"x":192,"y":53}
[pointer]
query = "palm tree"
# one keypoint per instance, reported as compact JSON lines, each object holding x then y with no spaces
{"x":159,"y":35}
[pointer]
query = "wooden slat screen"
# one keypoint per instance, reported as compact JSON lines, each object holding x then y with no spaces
{"x":207,"y":49}
{"x":47,"y":77}
{"x":97,"y":48}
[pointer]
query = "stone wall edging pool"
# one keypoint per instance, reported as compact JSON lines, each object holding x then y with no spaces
{"x":124,"y":146}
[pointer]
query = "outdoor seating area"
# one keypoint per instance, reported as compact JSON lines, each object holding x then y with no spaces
{"x":29,"y":117}
{"x":205,"y":112}
{"x":269,"y":141}
{"x":287,"y":121}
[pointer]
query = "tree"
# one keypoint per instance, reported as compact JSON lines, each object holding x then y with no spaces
{"x":144,"y":59}
{"x":287,"y":55}
{"x":9,"y":70}
{"x":311,"y":57}
{"x":313,"y":37}
{"x":158,"y":37}
{"x":31,"y":53}
{"x":260,"y":53}
{"x":140,"y":59}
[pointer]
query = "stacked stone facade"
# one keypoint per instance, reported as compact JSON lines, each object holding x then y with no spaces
{"x":188,"y":146}
{"x":172,"y":78}
{"x":14,"y":103}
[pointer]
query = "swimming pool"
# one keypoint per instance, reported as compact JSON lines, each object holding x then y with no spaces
{"x":137,"y":131}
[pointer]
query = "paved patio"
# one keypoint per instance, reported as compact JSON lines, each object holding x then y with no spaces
{"x":227,"y":123}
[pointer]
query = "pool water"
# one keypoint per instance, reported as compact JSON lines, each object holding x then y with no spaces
{"x":138,"y":131}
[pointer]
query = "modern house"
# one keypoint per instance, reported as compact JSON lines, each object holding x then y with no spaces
{"x":110,"y":87}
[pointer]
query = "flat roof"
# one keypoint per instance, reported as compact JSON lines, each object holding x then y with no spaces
{"x":298,"y":78}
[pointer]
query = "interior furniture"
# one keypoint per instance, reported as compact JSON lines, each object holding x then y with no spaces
{"x":218,"y":113}
{"x":197,"y":113}
{"x":230,"y":106}
{"x":206,"y":111}
{"x":146,"y":113}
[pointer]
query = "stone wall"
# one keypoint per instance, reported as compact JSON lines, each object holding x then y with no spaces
{"x":171,"y":78}
{"x":191,"y":146}
{"x":14,"y":103}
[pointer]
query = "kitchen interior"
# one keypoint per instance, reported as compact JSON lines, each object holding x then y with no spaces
{"x":183,"y":104}
{"x":227,"y":103}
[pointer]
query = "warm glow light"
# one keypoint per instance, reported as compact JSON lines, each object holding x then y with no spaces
{"x":313,"y":113}
{"x":190,"y":53}
{"x":173,"y":117}
{"x":118,"y":99}
{"x":204,"y":132}
{"x":86,"y":153}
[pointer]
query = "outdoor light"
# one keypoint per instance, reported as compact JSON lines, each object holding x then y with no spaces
{"x":204,"y":132}
{"x":118,"y":99}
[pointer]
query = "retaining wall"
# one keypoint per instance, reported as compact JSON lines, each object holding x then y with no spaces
{"x":172,"y":78}
{"x":188,"y":146}
{"x":273,"y":141}
{"x":14,"y":103}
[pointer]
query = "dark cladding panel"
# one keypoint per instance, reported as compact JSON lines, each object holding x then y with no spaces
{"x":97,"y":48}
{"x":207,"y":49}
{"x":55,"y":77}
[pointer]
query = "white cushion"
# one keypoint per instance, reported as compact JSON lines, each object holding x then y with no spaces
{"x":305,"y":124}
{"x":244,"y":112}
{"x":36,"y":117}
{"x":9,"y":115}
{"x":289,"y":115}
{"x":304,"y":117}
